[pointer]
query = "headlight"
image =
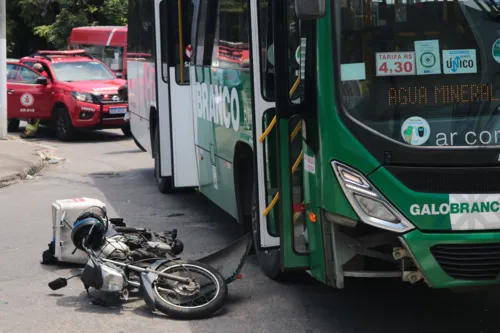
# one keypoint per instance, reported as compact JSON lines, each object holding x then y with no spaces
{"x":112,"y":280}
{"x":371,"y":206}
{"x":83,"y":97}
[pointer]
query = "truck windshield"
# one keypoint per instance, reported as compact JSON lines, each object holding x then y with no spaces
{"x":423,"y":73}
{"x":82,"y":71}
{"x":112,"y":56}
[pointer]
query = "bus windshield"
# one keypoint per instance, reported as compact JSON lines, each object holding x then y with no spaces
{"x":82,"y":71}
{"x":423,"y":73}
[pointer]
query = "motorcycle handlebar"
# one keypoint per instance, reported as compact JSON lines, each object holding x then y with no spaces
{"x":129,"y":229}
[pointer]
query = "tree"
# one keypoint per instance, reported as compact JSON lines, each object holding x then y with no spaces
{"x":48,"y":23}
{"x":11,"y":25}
{"x":82,"y":13}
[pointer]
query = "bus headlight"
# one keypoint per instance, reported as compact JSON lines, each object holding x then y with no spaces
{"x":370,"y":205}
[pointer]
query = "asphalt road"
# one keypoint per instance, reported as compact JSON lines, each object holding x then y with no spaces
{"x":106,"y":166}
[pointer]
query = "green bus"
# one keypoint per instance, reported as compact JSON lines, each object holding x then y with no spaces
{"x":353,"y":138}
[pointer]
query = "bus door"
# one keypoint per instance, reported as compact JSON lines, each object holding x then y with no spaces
{"x":175,"y":113}
{"x":279,"y":136}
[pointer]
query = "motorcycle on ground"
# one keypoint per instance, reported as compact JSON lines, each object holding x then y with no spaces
{"x":120,"y":262}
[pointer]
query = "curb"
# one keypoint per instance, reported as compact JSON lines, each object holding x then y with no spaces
{"x":30,"y":170}
{"x":23,"y":174}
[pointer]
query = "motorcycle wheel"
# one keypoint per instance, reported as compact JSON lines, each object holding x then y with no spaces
{"x":190,"y":304}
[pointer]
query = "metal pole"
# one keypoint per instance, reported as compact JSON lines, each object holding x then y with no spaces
{"x":3,"y":70}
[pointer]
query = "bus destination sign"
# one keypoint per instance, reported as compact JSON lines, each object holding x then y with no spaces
{"x":441,"y":94}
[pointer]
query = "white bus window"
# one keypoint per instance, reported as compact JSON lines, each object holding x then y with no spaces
{"x":231,"y":48}
{"x":164,"y":40}
{"x":205,"y":32}
{"x":182,"y":39}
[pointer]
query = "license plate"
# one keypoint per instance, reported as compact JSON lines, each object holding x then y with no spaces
{"x":117,"y":110}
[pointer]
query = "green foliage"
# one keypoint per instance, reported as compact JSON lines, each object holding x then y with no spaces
{"x":48,"y":23}
{"x":57,"y":33}
{"x":11,"y":25}
{"x":115,"y":11}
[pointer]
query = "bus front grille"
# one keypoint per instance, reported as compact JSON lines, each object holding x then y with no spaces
{"x":469,"y":261}
{"x":477,"y":180}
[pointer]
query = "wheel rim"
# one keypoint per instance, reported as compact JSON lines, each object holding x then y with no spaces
{"x":182,"y":268}
{"x":61,"y":125}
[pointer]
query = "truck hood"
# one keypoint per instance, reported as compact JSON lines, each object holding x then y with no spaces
{"x":101,"y":87}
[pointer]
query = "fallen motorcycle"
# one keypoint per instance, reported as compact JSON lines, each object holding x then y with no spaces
{"x":144,"y":242}
{"x":161,"y":284}
{"x":120,"y":259}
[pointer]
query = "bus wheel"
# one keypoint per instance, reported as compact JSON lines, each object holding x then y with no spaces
{"x":268,"y":259}
{"x":164,"y":183}
{"x":13,"y":125}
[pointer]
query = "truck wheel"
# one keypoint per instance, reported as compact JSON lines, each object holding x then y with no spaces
{"x":13,"y":125}
{"x":63,"y":126}
{"x":164,"y":183}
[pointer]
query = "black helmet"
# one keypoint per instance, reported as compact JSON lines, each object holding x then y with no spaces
{"x":88,"y":232}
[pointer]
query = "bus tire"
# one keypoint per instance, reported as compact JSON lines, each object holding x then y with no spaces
{"x":164,"y":183}
{"x":268,"y":259}
{"x":13,"y":125}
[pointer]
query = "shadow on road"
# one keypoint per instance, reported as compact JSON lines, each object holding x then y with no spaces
{"x":48,"y":135}
{"x":390,"y":307}
{"x":82,"y":303}
{"x":201,"y":225}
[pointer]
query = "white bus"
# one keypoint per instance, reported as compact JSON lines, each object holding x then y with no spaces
{"x":160,"y":107}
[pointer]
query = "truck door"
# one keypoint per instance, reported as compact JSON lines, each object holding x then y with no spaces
{"x":25,"y":97}
{"x":279,"y":135}
{"x":177,"y":144}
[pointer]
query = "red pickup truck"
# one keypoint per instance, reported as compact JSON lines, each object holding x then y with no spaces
{"x":77,"y":93}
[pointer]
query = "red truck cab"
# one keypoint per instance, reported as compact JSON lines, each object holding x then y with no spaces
{"x":79,"y":93}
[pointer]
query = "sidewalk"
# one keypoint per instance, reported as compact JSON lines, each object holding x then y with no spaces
{"x":18,"y":159}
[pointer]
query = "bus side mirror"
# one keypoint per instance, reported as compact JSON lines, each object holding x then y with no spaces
{"x":310,"y":9}
{"x":123,"y":92}
{"x":119,"y":75}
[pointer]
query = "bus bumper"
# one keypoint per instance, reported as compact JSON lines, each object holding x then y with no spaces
{"x":455,"y":260}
